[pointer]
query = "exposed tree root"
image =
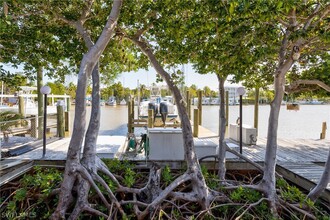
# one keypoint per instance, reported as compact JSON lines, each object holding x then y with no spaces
{"x":249,"y":207}
{"x":296,"y":208}
{"x":181,"y":203}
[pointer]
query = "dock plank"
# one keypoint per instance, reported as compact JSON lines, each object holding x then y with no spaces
{"x":305,"y":174}
{"x":298,"y":160}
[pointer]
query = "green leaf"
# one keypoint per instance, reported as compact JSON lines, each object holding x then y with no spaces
{"x":20,"y":194}
{"x":232,"y":8}
{"x":279,"y":5}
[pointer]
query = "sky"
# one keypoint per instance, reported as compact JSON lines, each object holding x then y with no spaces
{"x":147,"y":77}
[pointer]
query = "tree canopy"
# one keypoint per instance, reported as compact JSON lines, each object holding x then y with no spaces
{"x":251,"y":41}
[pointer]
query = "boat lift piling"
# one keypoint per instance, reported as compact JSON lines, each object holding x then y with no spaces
{"x":188,"y":101}
{"x":200,"y":95}
{"x":132,"y":122}
{"x":324,"y":129}
{"x":150,"y":118}
{"x":196,"y":122}
{"x":130,"y":116}
{"x":21,"y":105}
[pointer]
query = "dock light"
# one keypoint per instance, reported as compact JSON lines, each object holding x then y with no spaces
{"x":241,"y":92}
{"x":45,"y":90}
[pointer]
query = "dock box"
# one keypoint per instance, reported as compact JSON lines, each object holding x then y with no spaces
{"x":205,"y":148}
{"x":165,"y":144}
{"x":249,"y":134}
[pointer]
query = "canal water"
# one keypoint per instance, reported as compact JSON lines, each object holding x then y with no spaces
{"x":305,"y":123}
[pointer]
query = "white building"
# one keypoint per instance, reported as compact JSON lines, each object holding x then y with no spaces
{"x":233,"y":96}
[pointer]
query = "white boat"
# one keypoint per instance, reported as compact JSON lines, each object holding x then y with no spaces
{"x":164,"y":108}
{"x":10,"y":102}
{"x":123,"y":102}
{"x":111,"y":101}
{"x":206,"y":101}
{"x":30,"y":106}
{"x":215,"y":101}
{"x":310,"y":102}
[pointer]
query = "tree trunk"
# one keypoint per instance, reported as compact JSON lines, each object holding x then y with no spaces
{"x":268,"y":181}
{"x":73,"y":167}
{"x":89,"y":150}
{"x":200,"y":189}
{"x":222,"y":129}
{"x":288,"y":54}
{"x":323,"y":183}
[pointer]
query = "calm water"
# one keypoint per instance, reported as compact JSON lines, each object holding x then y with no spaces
{"x":305,"y":123}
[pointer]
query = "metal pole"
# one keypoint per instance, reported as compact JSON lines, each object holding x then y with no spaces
{"x":138,"y":96}
{"x":1,"y":102}
{"x":227,"y":107}
{"x":240,"y":124}
{"x":45,"y":126}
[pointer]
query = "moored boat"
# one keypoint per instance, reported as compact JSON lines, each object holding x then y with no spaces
{"x":311,"y":102}
{"x":111,"y":101}
{"x":123,"y":102}
{"x":163,"y":107}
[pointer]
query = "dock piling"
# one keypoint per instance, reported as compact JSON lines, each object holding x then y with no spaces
{"x":129,"y":123}
{"x":200,"y":94}
{"x":60,"y":121}
{"x":21,"y":105}
{"x":34,"y":126}
{"x":196,"y":122}
{"x":188,"y":101}
{"x":150,"y":118}
{"x":324,"y":129}
{"x":67,"y":124}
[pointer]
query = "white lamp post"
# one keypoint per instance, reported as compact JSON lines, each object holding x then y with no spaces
{"x":241,"y":92}
{"x":45,"y":90}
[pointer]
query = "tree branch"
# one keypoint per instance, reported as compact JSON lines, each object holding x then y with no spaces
{"x":297,"y":209}
{"x":135,"y":202}
{"x":249,"y":207}
{"x":89,"y":178}
{"x":294,"y":87}
{"x":310,"y":17}
{"x":323,"y":15}
{"x":188,"y":196}
{"x":112,"y":196}
{"x":86,"y":10}
{"x":94,"y":211}
{"x":102,"y":167}
{"x":66,"y":21}
{"x":284,"y":45}
{"x":285,"y":24}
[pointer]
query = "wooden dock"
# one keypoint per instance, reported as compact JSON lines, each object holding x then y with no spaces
{"x":291,"y":150}
{"x":300,"y":161}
